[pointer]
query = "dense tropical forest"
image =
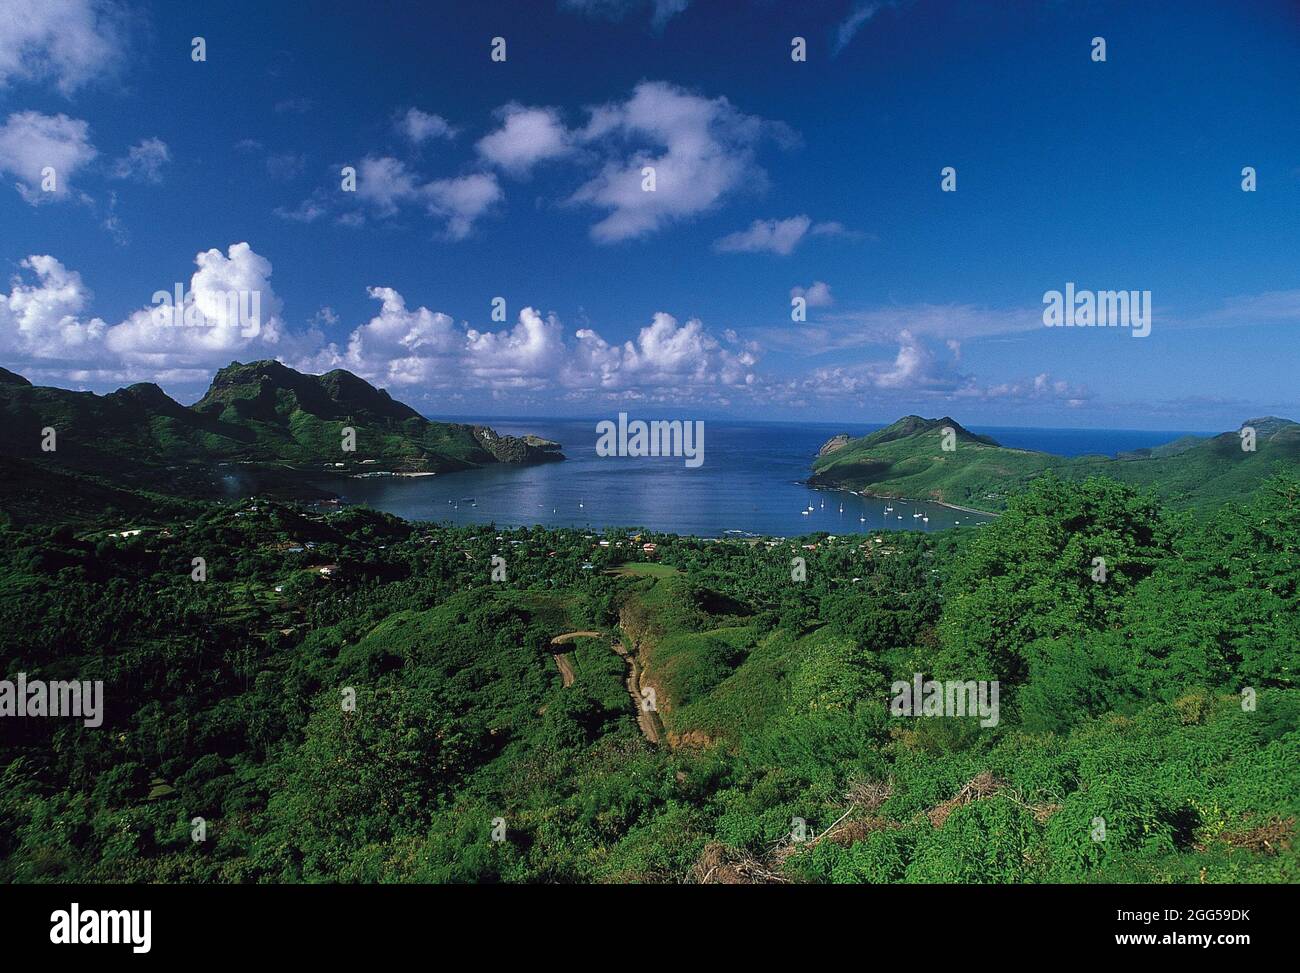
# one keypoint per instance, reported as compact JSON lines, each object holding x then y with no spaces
{"x":339,"y":695}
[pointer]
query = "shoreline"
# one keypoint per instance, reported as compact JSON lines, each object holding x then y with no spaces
{"x":880,"y":496}
{"x":968,"y":510}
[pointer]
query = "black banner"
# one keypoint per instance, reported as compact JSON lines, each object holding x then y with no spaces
{"x":143,"y":923}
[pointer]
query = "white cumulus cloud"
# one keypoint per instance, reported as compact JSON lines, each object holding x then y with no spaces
{"x":701,"y":150}
{"x":526,"y":137}
{"x":69,"y":42}
{"x":403,"y":346}
{"x":147,"y":338}
{"x":32,"y":143}
{"x":44,"y":319}
{"x":462,"y":200}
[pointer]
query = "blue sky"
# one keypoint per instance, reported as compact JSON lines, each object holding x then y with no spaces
{"x":521,"y":179}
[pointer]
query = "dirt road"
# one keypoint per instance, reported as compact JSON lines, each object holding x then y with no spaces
{"x":647,"y":720}
{"x":563,"y":660}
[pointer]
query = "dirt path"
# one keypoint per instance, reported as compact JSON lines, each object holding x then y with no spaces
{"x":647,"y":720}
{"x":563,"y":660}
{"x":565,"y":664}
{"x":570,"y":636}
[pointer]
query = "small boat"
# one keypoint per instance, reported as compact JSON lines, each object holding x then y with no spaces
{"x":805,"y":512}
{"x":914,"y":516}
{"x":925,"y":520}
{"x":862,"y":520}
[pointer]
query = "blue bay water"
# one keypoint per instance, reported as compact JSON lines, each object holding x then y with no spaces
{"x":749,"y":483}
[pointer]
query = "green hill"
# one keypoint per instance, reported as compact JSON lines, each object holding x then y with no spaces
{"x":907,"y":459}
{"x":402,"y":718}
{"x":277,"y":424}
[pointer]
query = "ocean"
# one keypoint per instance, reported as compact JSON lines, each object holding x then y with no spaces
{"x":748,"y":485}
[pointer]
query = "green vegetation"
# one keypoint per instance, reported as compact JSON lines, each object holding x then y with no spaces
{"x":907,"y":459}
{"x":1121,"y":703}
{"x":345,"y":696}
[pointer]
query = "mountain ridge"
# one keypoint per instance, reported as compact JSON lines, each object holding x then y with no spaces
{"x":263,"y":415}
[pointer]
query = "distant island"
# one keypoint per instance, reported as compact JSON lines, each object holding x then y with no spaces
{"x":260,"y":426}
{"x":908,"y":459}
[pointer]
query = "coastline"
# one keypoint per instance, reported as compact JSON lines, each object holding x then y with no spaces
{"x":968,"y":510}
{"x":881,"y":496}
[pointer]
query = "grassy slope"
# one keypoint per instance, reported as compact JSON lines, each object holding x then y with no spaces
{"x":790,"y":704}
{"x":909,"y":462}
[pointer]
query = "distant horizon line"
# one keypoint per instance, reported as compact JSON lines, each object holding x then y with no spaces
{"x":480,"y":419}
{"x":875,"y":424}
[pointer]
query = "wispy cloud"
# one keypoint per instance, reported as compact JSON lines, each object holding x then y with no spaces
{"x":420,"y":126}
{"x":848,"y":329}
{"x":294,"y":106}
{"x":859,"y":16}
{"x":776,"y":236}
{"x":661,"y":11}
{"x":817,"y":294}
{"x":143,"y":161}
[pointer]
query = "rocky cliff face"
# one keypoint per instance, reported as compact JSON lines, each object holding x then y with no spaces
{"x":516,"y":449}
{"x":834,"y":443}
